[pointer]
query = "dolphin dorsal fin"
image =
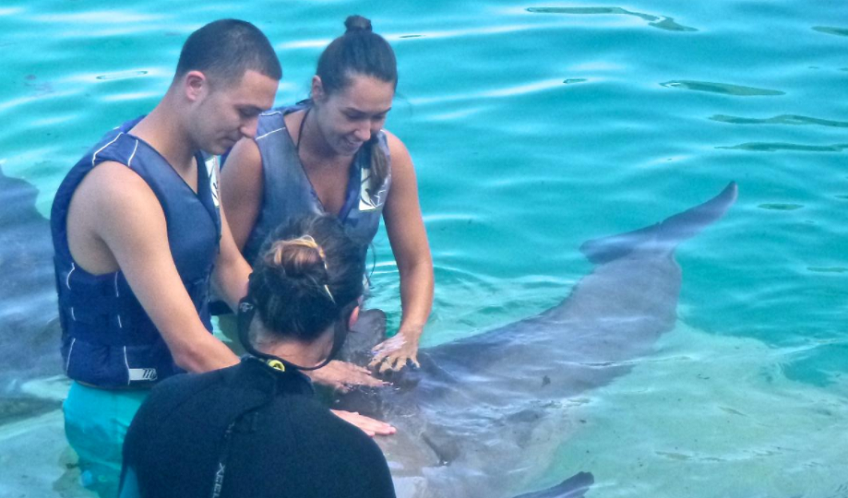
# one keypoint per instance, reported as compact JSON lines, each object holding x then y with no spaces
{"x":664,"y":236}
{"x":606,"y":249}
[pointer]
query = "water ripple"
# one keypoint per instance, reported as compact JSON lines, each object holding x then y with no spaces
{"x":780,"y":207}
{"x":105,"y":17}
{"x":511,"y":91}
{"x":778,"y":146}
{"x":465,"y":31}
{"x":786,"y":119}
{"x":320,"y":43}
{"x":725,"y":88}
{"x":831,"y":31}
{"x":122,"y":75}
{"x":38,"y":88}
{"x":832,"y":269}
{"x":661,"y":22}
{"x":149,"y":95}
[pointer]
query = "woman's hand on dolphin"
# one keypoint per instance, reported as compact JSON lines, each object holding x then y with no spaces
{"x":343,"y":376}
{"x":368,"y":425}
{"x":395,"y":353}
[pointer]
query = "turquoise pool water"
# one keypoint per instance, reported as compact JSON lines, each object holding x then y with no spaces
{"x":534,"y":127}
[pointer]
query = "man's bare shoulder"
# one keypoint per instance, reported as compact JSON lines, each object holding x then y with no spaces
{"x":111,"y":185}
{"x":113,"y":198}
{"x":113,"y":211}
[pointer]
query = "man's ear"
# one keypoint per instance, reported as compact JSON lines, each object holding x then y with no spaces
{"x":195,"y":85}
{"x":354,"y":316}
{"x":317,"y":90}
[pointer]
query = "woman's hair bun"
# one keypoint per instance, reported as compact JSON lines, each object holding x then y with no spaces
{"x":308,"y":273}
{"x":356,"y":23}
{"x":298,"y":258}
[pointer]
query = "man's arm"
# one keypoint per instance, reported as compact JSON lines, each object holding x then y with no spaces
{"x":231,"y":269}
{"x":115,"y":221}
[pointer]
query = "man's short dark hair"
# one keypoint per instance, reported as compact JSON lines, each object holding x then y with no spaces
{"x":225,"y":49}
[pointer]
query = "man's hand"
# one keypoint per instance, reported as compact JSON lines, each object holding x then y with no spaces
{"x":343,"y":376}
{"x":395,"y":353}
{"x":368,"y":425}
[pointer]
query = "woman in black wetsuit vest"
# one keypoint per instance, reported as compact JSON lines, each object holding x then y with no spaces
{"x":254,"y":429}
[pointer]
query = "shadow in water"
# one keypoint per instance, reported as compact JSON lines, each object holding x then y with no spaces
{"x":29,"y":325}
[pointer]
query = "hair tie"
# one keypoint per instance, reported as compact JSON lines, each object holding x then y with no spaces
{"x":357,"y":23}
{"x":309,"y":241}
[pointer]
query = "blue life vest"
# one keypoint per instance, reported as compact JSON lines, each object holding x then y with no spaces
{"x":107,"y":338}
{"x":288,"y":193}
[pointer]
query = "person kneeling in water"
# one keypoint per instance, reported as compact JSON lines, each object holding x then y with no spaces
{"x":255,"y":429}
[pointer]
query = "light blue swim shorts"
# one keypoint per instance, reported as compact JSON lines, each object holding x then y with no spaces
{"x":96,"y":423}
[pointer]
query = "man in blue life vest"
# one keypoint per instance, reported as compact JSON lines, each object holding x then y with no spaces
{"x":139,"y":237}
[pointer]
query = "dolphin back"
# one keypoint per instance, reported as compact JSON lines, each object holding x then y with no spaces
{"x":368,"y":331}
{"x":478,"y":407}
{"x":664,"y":236}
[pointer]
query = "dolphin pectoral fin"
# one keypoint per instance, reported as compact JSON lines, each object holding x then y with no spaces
{"x":662,"y":236}
{"x":446,"y":449}
{"x":573,"y":487}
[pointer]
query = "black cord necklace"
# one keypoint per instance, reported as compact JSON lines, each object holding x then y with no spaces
{"x":300,"y":131}
{"x":246,"y":312}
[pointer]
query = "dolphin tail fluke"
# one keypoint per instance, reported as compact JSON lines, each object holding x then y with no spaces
{"x":573,"y":487}
{"x":665,"y":235}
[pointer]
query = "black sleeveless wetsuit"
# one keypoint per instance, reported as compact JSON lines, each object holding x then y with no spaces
{"x":281,"y":441}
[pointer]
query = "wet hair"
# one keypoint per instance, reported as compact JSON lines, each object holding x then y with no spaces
{"x":359,"y":51}
{"x":225,"y":49}
{"x":308,"y":277}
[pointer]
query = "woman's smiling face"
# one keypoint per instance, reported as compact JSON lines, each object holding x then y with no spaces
{"x":349,"y":117}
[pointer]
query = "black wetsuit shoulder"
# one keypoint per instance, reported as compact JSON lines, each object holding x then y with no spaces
{"x":284,"y":442}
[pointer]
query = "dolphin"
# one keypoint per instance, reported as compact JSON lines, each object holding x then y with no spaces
{"x":29,"y":326}
{"x":484,"y":415}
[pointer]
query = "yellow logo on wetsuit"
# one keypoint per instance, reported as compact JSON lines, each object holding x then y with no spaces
{"x":276,"y":365}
